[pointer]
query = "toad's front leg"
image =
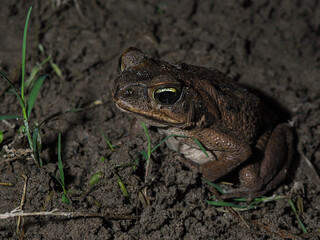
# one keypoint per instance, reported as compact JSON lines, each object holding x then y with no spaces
{"x":229,"y":153}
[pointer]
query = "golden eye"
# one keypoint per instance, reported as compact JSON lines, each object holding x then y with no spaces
{"x":166,"y":95}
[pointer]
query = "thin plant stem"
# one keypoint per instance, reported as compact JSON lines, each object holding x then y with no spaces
{"x":24,"y":45}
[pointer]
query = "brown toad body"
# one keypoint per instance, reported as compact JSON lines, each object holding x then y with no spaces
{"x":205,"y":104}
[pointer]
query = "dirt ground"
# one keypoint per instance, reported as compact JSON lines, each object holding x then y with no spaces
{"x":272,"y":47}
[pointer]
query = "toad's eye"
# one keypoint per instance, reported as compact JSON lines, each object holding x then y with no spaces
{"x":166,"y":95}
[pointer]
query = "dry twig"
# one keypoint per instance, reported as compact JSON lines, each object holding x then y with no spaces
{"x":17,"y":212}
{"x":23,"y":198}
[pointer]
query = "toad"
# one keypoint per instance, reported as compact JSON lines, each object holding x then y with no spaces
{"x":232,"y":124}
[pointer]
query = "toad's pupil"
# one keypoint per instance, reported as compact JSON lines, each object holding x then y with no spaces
{"x":167,"y":96}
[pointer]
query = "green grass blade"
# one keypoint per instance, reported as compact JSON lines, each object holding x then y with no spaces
{"x":56,"y":69}
{"x":45,"y":60}
{"x":60,"y":166}
{"x":145,"y":129}
{"x":32,"y":76}
{"x":41,"y":48}
{"x":144,"y":154}
{"x":65,"y":199}
{"x":108,"y":142}
{"x":162,"y":141}
{"x":122,"y":187}
{"x":34,"y":139}
{"x":241,"y":199}
{"x":34,"y":93}
{"x":24,"y":46}
{"x":95,"y":178}
{"x":37,"y":145}
{"x":200,"y":146}
{"x":217,"y":187}
{"x":6,"y":117}
{"x":297,"y":215}
{"x":13,"y":89}
{"x":1,"y":137}
{"x":263,"y":199}
{"x":57,"y":179}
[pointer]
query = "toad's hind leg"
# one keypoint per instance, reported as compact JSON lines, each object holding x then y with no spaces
{"x":259,"y":177}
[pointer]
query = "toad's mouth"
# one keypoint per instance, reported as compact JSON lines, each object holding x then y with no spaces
{"x":160,"y":117}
